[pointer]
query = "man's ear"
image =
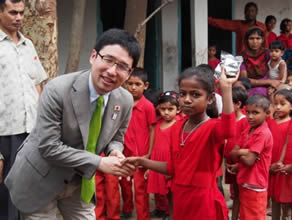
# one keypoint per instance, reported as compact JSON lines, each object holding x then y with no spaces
{"x":92,"y":56}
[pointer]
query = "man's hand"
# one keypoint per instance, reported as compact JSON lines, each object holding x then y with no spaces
{"x":1,"y":170}
{"x":112,"y":165}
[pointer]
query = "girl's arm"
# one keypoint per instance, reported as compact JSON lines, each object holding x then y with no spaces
{"x":151,"y":141}
{"x":157,"y":166}
{"x":226,"y":89}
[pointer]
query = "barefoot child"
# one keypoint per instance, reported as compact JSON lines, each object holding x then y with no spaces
{"x":253,"y":153}
{"x":168,"y":108}
{"x":196,"y":148}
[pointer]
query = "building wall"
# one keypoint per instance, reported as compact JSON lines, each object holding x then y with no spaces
{"x":280,"y":9}
{"x":64,"y":9}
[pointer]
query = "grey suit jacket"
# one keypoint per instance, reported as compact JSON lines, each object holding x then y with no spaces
{"x":55,"y":152}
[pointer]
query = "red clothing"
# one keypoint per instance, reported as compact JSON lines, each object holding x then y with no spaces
{"x":157,"y":182}
{"x":230,"y":144}
{"x":259,"y":141}
{"x":284,"y":38}
{"x":280,"y":184}
{"x":137,"y":135}
{"x":253,"y":205}
{"x":107,"y":194}
{"x":271,"y":37}
{"x":195,"y":192}
{"x":213,"y":63}
{"x":240,"y":27}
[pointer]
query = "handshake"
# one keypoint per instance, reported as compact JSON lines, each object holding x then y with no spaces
{"x":116,"y":164}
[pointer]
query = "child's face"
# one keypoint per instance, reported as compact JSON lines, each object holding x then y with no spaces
{"x":282,"y":106}
{"x":193,"y":98}
{"x":289,"y":27}
{"x":255,"y":42}
{"x":276,"y":54}
{"x":289,"y":81}
{"x":255,"y":115}
{"x":271,"y":25}
{"x":136,"y":87}
{"x":211,"y":51}
{"x":167,"y":111}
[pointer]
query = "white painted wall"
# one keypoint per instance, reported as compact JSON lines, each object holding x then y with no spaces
{"x":64,"y":8}
{"x":280,"y":9}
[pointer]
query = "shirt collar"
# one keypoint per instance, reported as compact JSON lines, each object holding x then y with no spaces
{"x":93,"y":95}
{"x":4,"y":36}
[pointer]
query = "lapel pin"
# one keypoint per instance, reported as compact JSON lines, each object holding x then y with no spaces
{"x":117,"y":108}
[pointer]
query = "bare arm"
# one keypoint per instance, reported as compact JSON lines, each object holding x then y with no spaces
{"x":157,"y":166}
{"x":151,"y":141}
{"x":249,"y":159}
{"x":263,"y":82}
{"x":282,"y":72}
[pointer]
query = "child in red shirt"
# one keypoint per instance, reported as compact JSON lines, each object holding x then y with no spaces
{"x":138,"y":142}
{"x":270,"y":23}
{"x":254,"y":152}
{"x":281,"y":168}
{"x":213,"y":61}
{"x":158,"y":184}
{"x":197,"y":147}
{"x":285,"y":28}
{"x":239,"y":97}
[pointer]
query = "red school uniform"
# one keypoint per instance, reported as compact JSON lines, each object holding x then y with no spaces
{"x":194,"y":167}
{"x":213,"y":63}
{"x":231,"y":142}
{"x":137,"y":144}
{"x":260,"y":142}
{"x":284,"y":38}
{"x":137,"y":135}
{"x":280,"y":184}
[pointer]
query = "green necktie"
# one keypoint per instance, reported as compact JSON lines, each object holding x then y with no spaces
{"x":88,"y":185}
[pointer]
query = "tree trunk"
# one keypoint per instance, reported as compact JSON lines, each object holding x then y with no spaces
{"x":76,"y":36}
{"x":40,"y":25}
{"x":136,"y":12}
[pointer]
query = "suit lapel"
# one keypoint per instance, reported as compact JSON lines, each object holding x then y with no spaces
{"x":81,"y":104}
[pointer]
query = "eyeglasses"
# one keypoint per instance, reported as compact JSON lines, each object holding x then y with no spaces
{"x":120,"y":67}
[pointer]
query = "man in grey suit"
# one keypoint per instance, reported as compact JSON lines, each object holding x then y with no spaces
{"x":49,"y":165}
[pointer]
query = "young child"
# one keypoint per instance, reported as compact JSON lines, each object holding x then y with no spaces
{"x":168,"y":108}
{"x":253,"y":153}
{"x":277,"y":66}
{"x":213,"y":61}
{"x":289,"y":79}
{"x":196,"y":148}
{"x":138,"y":142}
{"x":285,"y":30}
{"x":270,"y":23}
{"x":281,"y":166}
{"x":239,"y":97}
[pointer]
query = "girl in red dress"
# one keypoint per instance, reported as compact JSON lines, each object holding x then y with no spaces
{"x":280,"y":182}
{"x":286,"y":29}
{"x":168,"y":108}
{"x":197,"y":147}
{"x":270,"y":23}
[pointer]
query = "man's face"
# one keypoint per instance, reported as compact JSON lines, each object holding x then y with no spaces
{"x":11,"y":17}
{"x":251,"y":13}
{"x":106,"y":77}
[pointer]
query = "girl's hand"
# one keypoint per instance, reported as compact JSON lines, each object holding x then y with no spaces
{"x":276,"y":167}
{"x":226,"y":80}
{"x":232,"y":168}
{"x":275,"y":83}
{"x":286,"y":169}
{"x":146,"y":174}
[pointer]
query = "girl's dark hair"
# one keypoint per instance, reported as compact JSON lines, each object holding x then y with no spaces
{"x":287,"y":93}
{"x":169,"y":96}
{"x":239,"y":95}
{"x":269,"y":18}
{"x":204,"y":74}
{"x":283,"y":25}
{"x":245,"y":82}
{"x":152,"y":94}
{"x":277,"y":44}
{"x":259,"y":100}
{"x":254,"y":30}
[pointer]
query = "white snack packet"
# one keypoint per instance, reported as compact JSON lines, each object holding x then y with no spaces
{"x":231,"y":64}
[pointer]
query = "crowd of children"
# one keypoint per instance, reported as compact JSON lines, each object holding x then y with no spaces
{"x":179,"y":140}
